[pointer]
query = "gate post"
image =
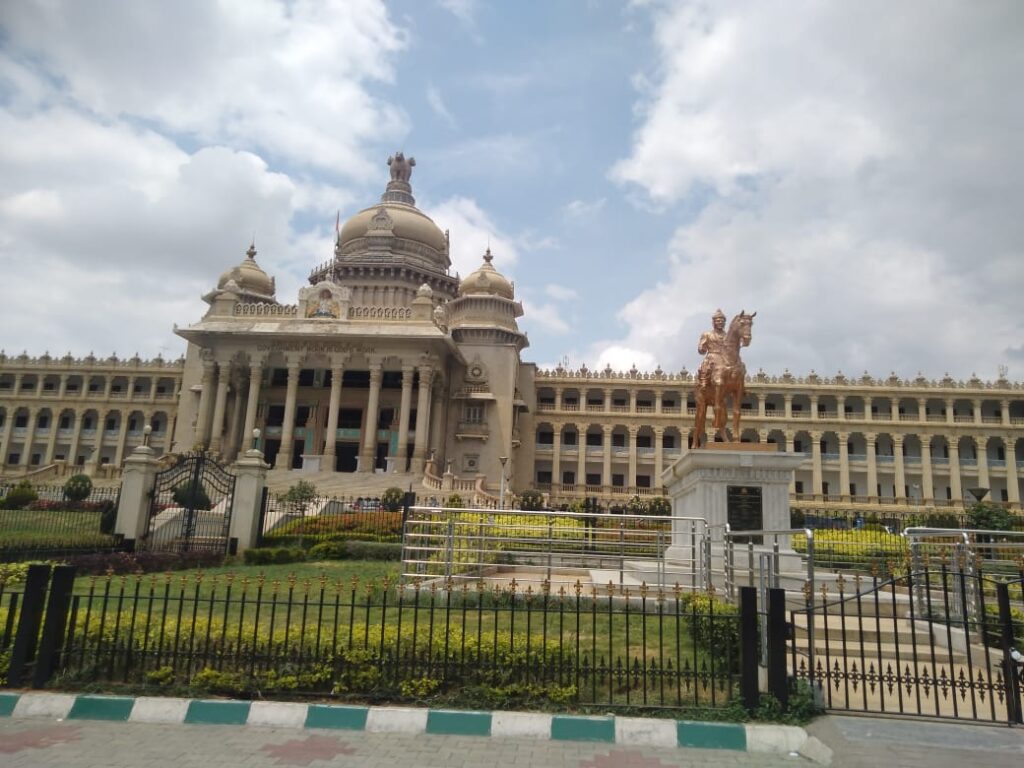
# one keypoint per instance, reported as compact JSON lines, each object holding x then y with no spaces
{"x":778,"y":683}
{"x":27,"y":636}
{"x":1010,"y":672}
{"x":749,"y":650}
{"x":250,"y":479}
{"x":138,"y":480}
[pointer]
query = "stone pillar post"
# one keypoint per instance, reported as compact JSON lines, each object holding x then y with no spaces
{"x":419,"y":450}
{"x":369,"y":448}
{"x":253,"y":399}
{"x":816,"y":463}
{"x":556,"y":460}
{"x":901,"y":472}
{"x":956,"y":488}
{"x":234,"y":442}
{"x":870,"y":438}
{"x":219,"y":406}
{"x":333,"y":405}
{"x":251,"y":476}
{"x":844,"y":464}
{"x":1012,"y":487}
{"x":284,"y":455}
{"x":202,"y":415}
{"x":138,"y":479}
{"x":404,"y":410}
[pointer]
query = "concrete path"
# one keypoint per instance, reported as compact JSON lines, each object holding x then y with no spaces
{"x":96,"y":744}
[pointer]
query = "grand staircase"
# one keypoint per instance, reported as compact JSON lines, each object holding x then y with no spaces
{"x":347,"y":484}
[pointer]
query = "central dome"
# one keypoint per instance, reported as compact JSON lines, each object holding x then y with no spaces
{"x":406,"y":221}
{"x":395,"y":223}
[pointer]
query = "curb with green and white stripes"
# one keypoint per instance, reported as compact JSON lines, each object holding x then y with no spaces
{"x":635,"y":731}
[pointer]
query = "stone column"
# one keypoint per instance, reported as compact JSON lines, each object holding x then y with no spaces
{"x":284,"y":455}
{"x":894,"y":409}
{"x":1012,"y":487}
{"x":949,"y":411}
{"x":251,"y":476}
{"x":138,"y":479}
{"x":253,"y":400}
{"x":788,"y":400}
{"x":558,"y":398}
{"x":631,"y":479}
{"x":76,"y":436}
{"x":369,"y":448}
{"x":844,"y":464}
{"x":51,"y":444}
{"x":62,"y":390}
{"x":235,"y":440}
{"x":657,"y":401}
{"x":30,"y":435}
{"x":1004,"y":412}
{"x":333,"y":405}
{"x":556,"y":459}
{"x":202,"y":416}
{"x":788,"y":437}
{"x":606,"y":470}
{"x":659,"y":455}
{"x":870,"y":438}
{"x":955,"y":486}
{"x":814,"y":406}
{"x":901,"y":473}
{"x":5,"y":441}
{"x":608,"y":401}
{"x":816,"y":463}
{"x":841,"y":409}
{"x":927,"y":480}
{"x":976,"y":410}
{"x":419,"y":449}
{"x":219,"y":406}
{"x":581,"y":455}
{"x":404,"y":410}
{"x":922,"y":408}
{"x":632,"y":401}
{"x":122,"y":438}
{"x":761,"y":400}
{"x":982,"y":454}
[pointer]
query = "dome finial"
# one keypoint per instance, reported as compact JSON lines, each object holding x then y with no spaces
{"x":487,"y":254}
{"x":399,"y":190}
{"x":251,"y":253}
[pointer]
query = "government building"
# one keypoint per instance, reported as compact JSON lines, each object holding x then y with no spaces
{"x":390,"y":370}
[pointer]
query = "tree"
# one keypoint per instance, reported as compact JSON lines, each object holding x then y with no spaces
{"x":531,"y":500}
{"x":986,"y":516}
{"x":191,"y":496}
{"x":392,"y":499}
{"x":659,"y":505}
{"x":77,"y":488}
{"x":455,"y":502}
{"x":300,"y":495}
{"x":636,"y":506}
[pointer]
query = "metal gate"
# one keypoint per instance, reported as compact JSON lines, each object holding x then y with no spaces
{"x":191,"y":506}
{"x":944,"y":643}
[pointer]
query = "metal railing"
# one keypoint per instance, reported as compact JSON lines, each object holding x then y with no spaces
{"x":550,"y":546}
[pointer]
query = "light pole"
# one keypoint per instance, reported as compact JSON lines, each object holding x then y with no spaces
{"x":501,"y":492}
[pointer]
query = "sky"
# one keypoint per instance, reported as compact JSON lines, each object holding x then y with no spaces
{"x":853,"y":172}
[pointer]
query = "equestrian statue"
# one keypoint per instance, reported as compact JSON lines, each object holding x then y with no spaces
{"x":721,"y":375}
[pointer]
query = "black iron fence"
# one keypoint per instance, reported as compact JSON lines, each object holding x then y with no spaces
{"x":940,"y":642}
{"x":571,"y":648}
{"x":52,"y":525}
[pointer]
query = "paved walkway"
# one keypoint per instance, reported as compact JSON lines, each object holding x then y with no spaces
{"x":95,"y":744}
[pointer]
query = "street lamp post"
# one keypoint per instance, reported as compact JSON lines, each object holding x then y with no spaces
{"x":501,"y":492}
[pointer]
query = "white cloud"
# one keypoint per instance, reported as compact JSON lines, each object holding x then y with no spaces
{"x":861,"y":184}
{"x":289,"y":79}
{"x":471,"y":230}
{"x":580,"y":209}
{"x":141,"y":148}
{"x":436,"y":102}
{"x":561,"y":292}
{"x":547,"y":316}
{"x":622,"y":358}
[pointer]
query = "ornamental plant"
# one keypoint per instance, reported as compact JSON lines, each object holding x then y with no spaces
{"x":77,"y":488}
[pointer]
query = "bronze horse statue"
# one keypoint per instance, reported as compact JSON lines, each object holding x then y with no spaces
{"x":722,"y":375}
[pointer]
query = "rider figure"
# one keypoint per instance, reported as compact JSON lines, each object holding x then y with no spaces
{"x":712,"y":346}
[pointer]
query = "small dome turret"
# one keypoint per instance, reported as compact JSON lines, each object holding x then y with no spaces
{"x":248,"y":278}
{"x":487,"y":281}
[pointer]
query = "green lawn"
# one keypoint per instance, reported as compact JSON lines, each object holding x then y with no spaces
{"x":29,"y":529}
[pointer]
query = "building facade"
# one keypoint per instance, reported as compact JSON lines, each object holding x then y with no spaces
{"x":390,"y":364}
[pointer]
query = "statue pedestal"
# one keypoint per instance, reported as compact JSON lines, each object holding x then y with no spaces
{"x":743,"y":484}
